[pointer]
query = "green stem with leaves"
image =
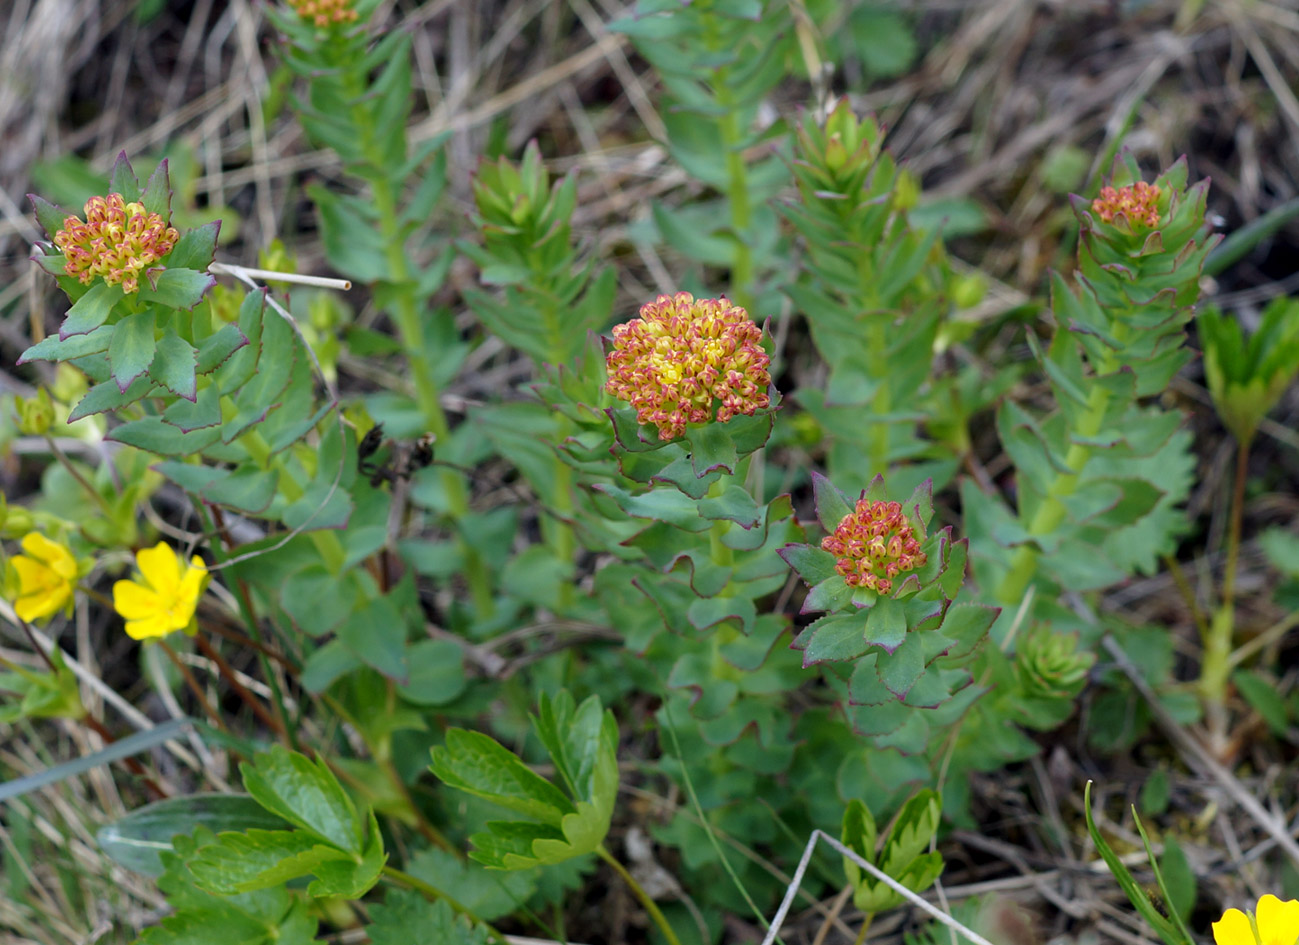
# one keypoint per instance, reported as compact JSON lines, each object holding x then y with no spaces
{"x":639,"y":892}
{"x":432,"y":893}
{"x":1215,"y":669}
{"x":405,"y":313}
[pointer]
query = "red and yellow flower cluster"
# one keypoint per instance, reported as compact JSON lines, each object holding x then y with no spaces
{"x":1138,"y":204}
{"x":117,"y":241}
{"x":874,"y":544}
{"x":325,"y":12}
{"x":684,"y":357}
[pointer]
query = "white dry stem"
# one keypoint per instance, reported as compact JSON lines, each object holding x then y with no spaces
{"x":792,"y":890}
{"x":247,"y":274}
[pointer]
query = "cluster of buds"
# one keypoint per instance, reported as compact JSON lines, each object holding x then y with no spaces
{"x":324,"y":12}
{"x":682,"y":359}
{"x":1137,"y":203}
{"x":117,"y":242}
{"x":874,"y":544}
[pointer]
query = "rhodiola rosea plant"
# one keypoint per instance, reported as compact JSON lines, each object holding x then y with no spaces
{"x":506,"y":582}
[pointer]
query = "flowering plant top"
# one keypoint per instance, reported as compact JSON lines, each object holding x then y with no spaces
{"x":325,"y":12}
{"x":689,"y":361}
{"x":1136,"y":205}
{"x":117,"y":241}
{"x":873,"y":544}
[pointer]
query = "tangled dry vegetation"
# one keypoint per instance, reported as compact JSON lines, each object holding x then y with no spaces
{"x":1005,"y":97}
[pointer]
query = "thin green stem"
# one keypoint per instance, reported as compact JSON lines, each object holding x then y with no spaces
{"x":639,"y":892}
{"x":718,"y":551}
{"x":81,"y":480}
{"x":1215,"y":667}
{"x":865,"y":927}
{"x":218,"y":526}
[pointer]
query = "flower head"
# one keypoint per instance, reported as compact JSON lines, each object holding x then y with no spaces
{"x":117,"y":241}
{"x":874,"y":543}
{"x":324,"y":12}
{"x":165,"y":597}
{"x":1137,"y":203}
{"x":683,"y":358}
{"x":47,"y":574}
{"x":1275,"y":923}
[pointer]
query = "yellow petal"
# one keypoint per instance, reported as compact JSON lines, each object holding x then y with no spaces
{"x":160,"y":568}
{"x":1233,"y":929}
{"x":38,"y":606}
{"x":1278,"y":922}
{"x":57,"y":556}
{"x":156,"y":625}
{"x":135,"y":602}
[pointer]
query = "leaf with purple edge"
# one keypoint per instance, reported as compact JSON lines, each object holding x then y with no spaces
{"x":735,"y":505}
{"x":177,"y":288}
{"x":813,"y":564}
{"x":173,"y":366}
{"x":123,"y":180}
{"x":835,"y":638}
{"x":216,"y":348}
{"x":196,"y":248}
{"x":156,"y":196}
{"x":900,"y":669}
{"x":54,"y":348}
{"x":130,"y":351}
{"x":91,"y":310}
{"x":706,"y":612}
{"x":107,"y":396}
{"x":711,"y":449}
{"x":49,"y":215}
{"x":153,"y":435}
{"x":204,"y":412}
{"x":886,"y":624}
{"x":631,"y":434}
{"x":919,"y":509}
{"x":831,"y":595}
{"x":831,"y":504}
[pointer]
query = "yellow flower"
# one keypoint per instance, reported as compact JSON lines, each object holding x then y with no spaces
{"x":1275,"y":923}
{"x":47,"y":575}
{"x":165,"y":598}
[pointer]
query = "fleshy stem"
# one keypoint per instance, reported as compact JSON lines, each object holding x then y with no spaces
{"x":1051,"y":513}
{"x":405,"y":314}
{"x":639,"y":892}
{"x":556,"y":529}
{"x":737,"y":182}
{"x":1215,"y":669}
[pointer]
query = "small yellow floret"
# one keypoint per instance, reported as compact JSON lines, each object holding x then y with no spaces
{"x":165,"y":597}
{"x":47,"y":575}
{"x":1274,"y":923}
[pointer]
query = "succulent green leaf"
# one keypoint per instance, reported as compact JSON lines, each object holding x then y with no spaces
{"x":832,"y":506}
{"x":900,"y":668}
{"x":49,"y":215}
{"x":54,"y":348}
{"x":835,"y":638}
{"x":196,"y":248}
{"x":91,"y":310}
{"x":107,"y":396}
{"x":176,"y":288}
{"x":156,"y":196}
{"x":123,"y":180}
{"x":886,"y":624}
{"x":130,"y":352}
{"x":173,"y":366}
